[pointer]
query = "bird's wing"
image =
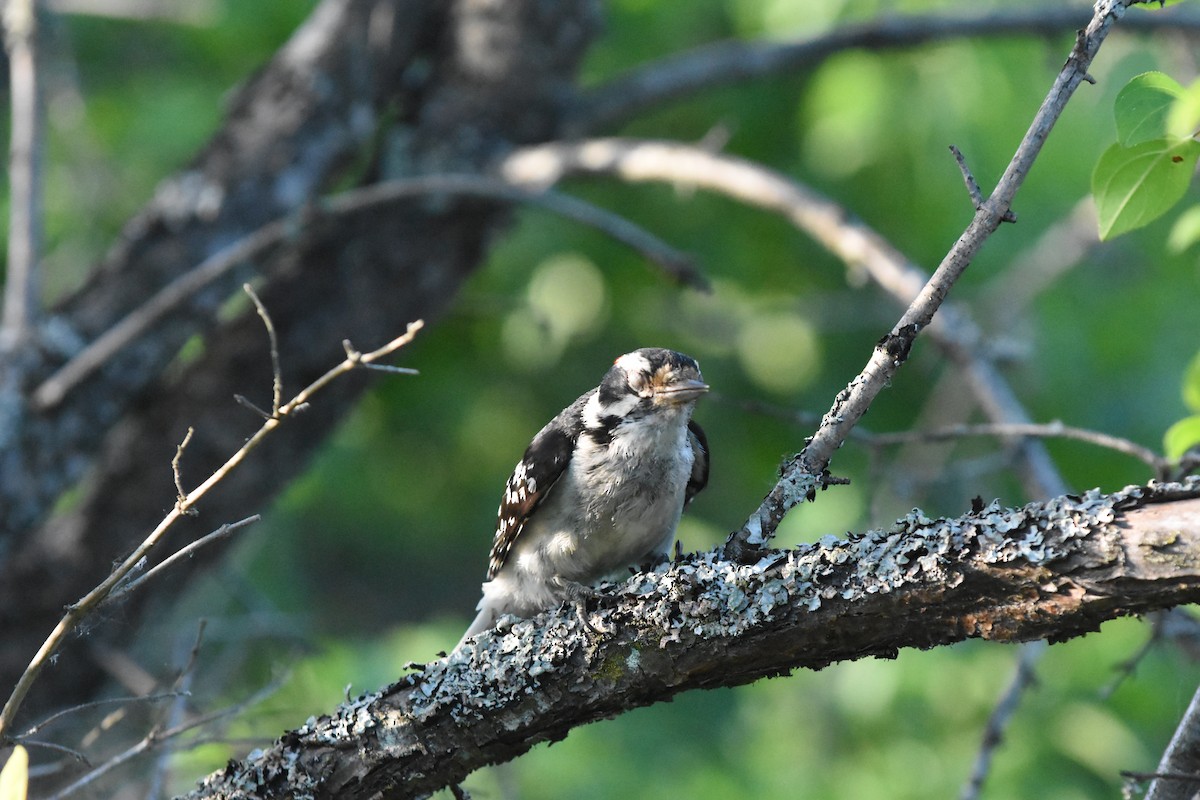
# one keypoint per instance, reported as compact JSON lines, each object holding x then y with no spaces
{"x":530,"y":483}
{"x":699,"y":477}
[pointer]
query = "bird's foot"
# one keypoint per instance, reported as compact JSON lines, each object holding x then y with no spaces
{"x":578,"y":594}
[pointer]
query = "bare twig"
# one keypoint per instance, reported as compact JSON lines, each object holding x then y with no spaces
{"x":70,"y":752}
{"x":194,"y":12}
{"x":1179,"y":766}
{"x":180,"y":492}
{"x":221,"y":533}
{"x":158,"y":736}
{"x":108,"y":701}
{"x":993,"y":734}
{"x":1163,"y":776}
{"x":678,"y":77}
{"x":246,"y":402}
{"x":21,"y":282}
{"x":973,"y":190}
{"x":84,"y":606}
{"x":175,"y":714}
{"x":972,"y":185}
{"x":97,"y":353}
{"x":1049,"y":430}
{"x":356,"y":357}
{"x":277,"y":374}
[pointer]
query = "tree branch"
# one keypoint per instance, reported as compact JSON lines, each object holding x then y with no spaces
{"x":1050,"y":570}
{"x":135,"y":326}
{"x":1182,"y":757}
{"x":21,"y":284}
{"x":678,"y":77}
{"x":804,"y":474}
{"x":82,"y":608}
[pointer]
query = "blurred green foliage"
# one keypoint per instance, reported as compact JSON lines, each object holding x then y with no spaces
{"x":374,"y":558}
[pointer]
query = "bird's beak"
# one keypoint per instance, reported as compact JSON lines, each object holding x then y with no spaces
{"x":682,"y":392}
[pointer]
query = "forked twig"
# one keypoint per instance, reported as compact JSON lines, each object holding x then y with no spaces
{"x":223,"y":532}
{"x":80,"y":609}
{"x":180,"y":493}
{"x":276,"y":372}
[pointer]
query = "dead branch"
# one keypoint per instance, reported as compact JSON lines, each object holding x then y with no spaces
{"x":81,"y":609}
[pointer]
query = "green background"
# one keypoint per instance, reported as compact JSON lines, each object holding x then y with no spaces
{"x":374,"y":558}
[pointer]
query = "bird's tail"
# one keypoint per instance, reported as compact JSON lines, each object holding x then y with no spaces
{"x":484,"y":620}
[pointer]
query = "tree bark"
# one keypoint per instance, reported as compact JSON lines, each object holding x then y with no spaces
{"x":1051,"y":570}
{"x":462,"y":83}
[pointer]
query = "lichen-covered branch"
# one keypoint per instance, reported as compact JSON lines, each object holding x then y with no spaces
{"x":1050,"y":571}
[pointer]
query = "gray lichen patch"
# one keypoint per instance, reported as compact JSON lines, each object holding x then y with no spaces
{"x":704,"y":597}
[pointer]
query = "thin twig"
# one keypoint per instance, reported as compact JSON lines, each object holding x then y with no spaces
{"x":180,"y":493}
{"x":659,"y":83}
{"x":246,"y":402}
{"x":972,"y":185}
{"x":84,"y":606}
{"x":1163,"y":776}
{"x":223,"y":532}
{"x":21,"y":280}
{"x":155,"y":738}
{"x":1049,"y":430}
{"x":973,"y":190}
{"x":276,"y":372}
{"x":175,"y":714}
{"x":993,"y":733}
{"x":1181,"y":758}
{"x":193,"y":12}
{"x":146,"y":698}
{"x":97,"y":353}
{"x":74,"y":754}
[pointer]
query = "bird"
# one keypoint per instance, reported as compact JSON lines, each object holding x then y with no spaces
{"x":600,"y":488}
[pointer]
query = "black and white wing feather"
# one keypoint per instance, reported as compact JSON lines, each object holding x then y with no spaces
{"x":699,"y":477}
{"x":534,"y":477}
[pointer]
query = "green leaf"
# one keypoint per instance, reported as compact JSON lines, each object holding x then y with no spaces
{"x":1182,"y":436}
{"x":14,"y":778}
{"x":1136,"y":185}
{"x":1143,"y":106}
{"x":1191,"y":385}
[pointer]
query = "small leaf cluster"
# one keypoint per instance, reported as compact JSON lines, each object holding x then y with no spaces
{"x":1147,"y":171}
